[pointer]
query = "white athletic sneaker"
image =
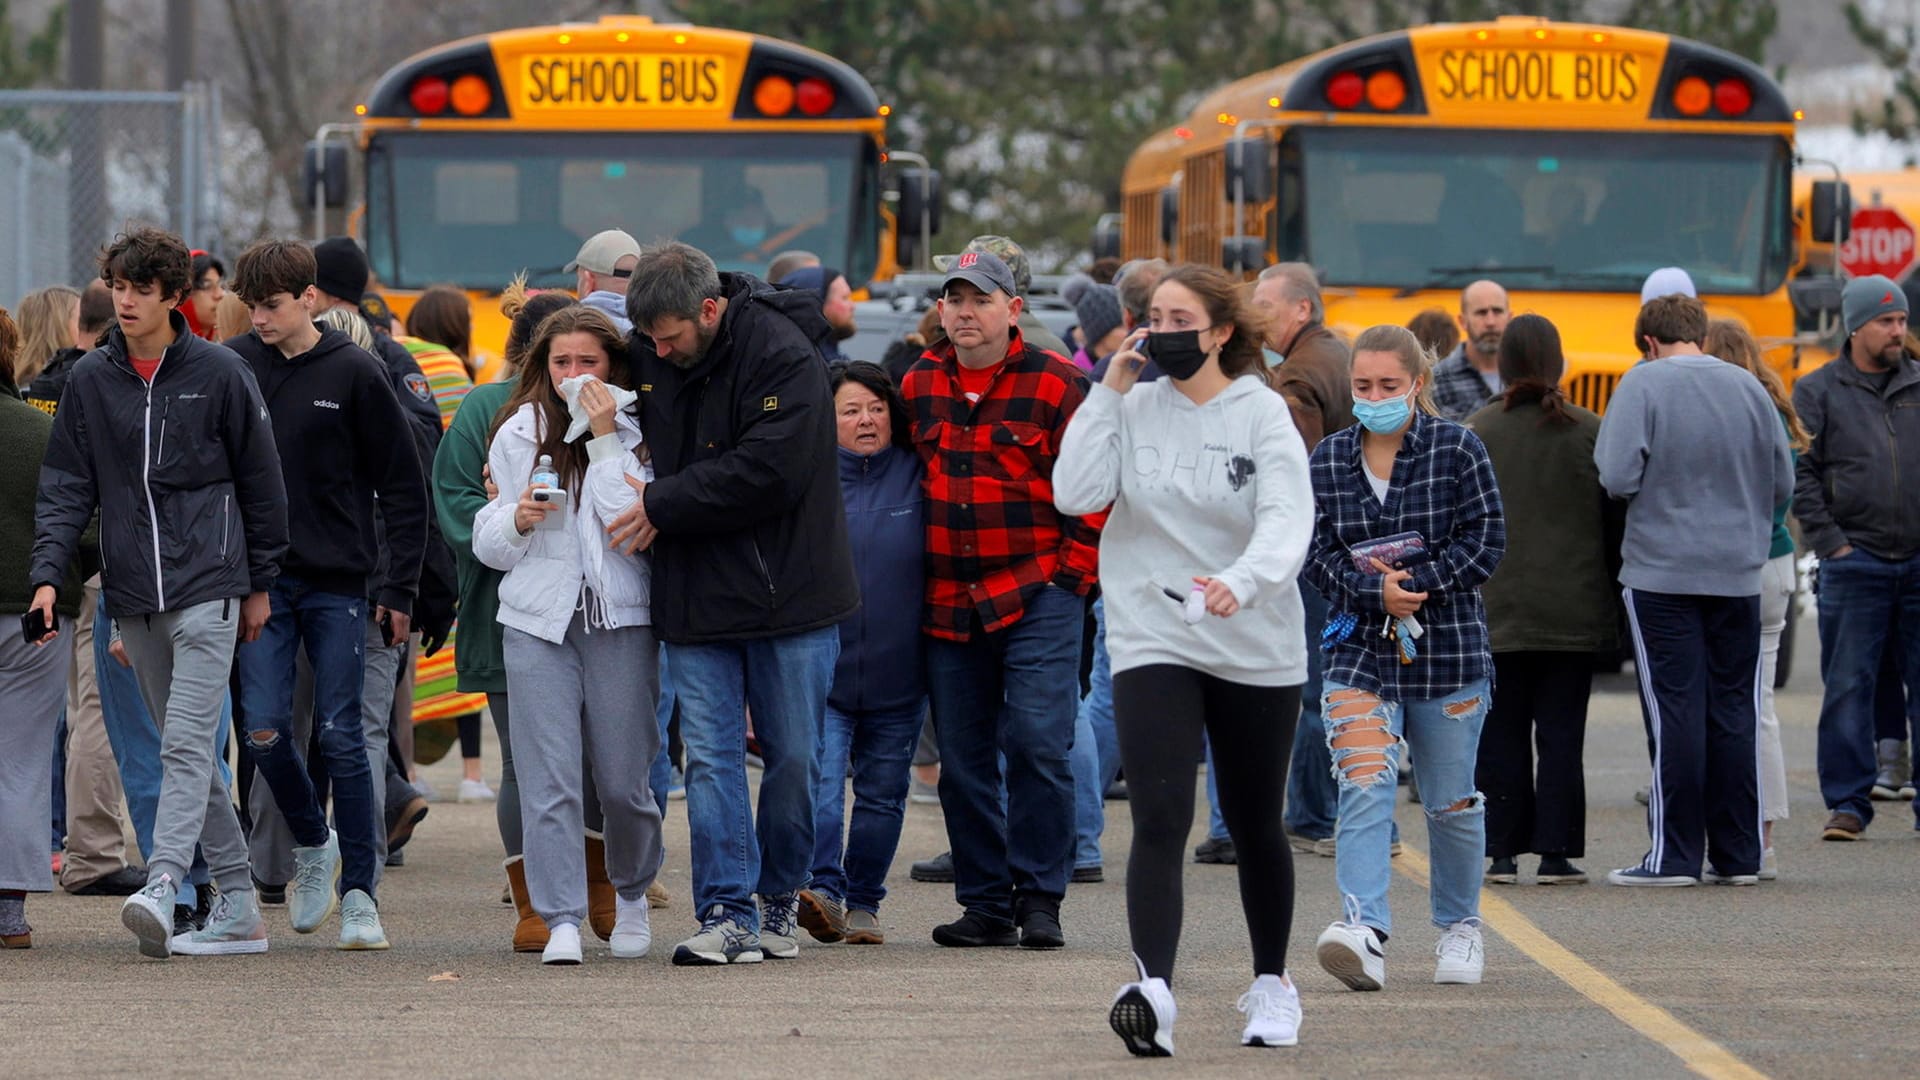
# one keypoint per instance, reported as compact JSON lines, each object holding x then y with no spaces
{"x":1353,"y":954}
{"x":360,"y":927}
{"x":313,"y":893}
{"x":1462,"y":956}
{"x":563,"y":945}
{"x":472,"y":791}
{"x":233,"y":929}
{"x":149,"y":914}
{"x":1715,"y":877}
{"x":1272,"y":1005}
{"x":1769,"y":866}
{"x":1142,"y":1015}
{"x":632,"y":933}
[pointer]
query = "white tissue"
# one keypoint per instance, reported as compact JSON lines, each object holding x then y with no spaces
{"x":570,"y":390}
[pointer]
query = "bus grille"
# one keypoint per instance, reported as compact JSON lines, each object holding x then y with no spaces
{"x":1593,"y":390}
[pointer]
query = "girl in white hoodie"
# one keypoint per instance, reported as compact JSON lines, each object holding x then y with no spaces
{"x":580,"y":655}
{"x":1212,"y":516}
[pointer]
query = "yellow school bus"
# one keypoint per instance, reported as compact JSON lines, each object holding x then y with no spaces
{"x":1564,"y":161}
{"x":505,"y":151}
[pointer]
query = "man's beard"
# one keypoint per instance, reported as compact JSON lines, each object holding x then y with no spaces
{"x":845,"y":330}
{"x":703,"y":341}
{"x":1487,"y":344}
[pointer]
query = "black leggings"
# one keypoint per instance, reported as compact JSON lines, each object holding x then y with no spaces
{"x":1161,"y":712}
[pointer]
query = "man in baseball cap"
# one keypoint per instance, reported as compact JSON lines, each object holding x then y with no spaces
{"x":1015,"y":258}
{"x":1862,"y":412}
{"x":600,"y":273}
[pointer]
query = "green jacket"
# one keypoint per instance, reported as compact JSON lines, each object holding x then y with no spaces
{"x":1554,"y":591}
{"x":458,"y":494}
{"x":24,"y":431}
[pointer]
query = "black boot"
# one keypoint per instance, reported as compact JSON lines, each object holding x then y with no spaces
{"x":1039,"y":920}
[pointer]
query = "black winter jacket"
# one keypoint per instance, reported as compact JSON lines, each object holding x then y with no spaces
{"x":753,"y":540}
{"x":1857,"y":483}
{"x":44,"y":393}
{"x":347,"y":443}
{"x":184,"y":473}
{"x":433,"y":606}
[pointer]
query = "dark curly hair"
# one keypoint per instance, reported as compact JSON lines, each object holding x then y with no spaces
{"x":875,"y":379}
{"x":144,"y":255}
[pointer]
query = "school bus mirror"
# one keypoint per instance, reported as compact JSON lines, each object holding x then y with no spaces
{"x":921,"y":196}
{"x":1815,"y":299}
{"x":1243,"y":254}
{"x":1830,"y":203}
{"x":1106,"y":237}
{"x":1249,"y":169}
{"x":324,"y":174}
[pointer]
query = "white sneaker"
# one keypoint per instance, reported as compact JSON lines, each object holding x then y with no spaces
{"x":1272,"y":1005}
{"x":149,"y":914}
{"x":312,"y":895}
{"x":1462,"y":956}
{"x":1769,"y":866}
{"x":1142,"y":1015}
{"x":476,"y":791}
{"x":1352,"y":953}
{"x":563,"y":945}
{"x":632,"y":933}
{"x":1715,"y":877}
{"x":360,"y":927}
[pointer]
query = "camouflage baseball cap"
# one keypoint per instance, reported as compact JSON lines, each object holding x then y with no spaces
{"x":1009,"y":253}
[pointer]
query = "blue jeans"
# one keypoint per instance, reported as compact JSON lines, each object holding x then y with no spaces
{"x":1312,"y":796}
{"x":660,"y":775}
{"x":333,"y":627}
{"x":1011,"y":692}
{"x":1096,"y":750}
{"x":135,"y":739}
{"x":880,"y":747}
{"x":784,"y":680}
{"x":1863,"y":599}
{"x":1363,"y":737}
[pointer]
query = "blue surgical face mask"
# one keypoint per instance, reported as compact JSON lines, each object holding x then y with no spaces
{"x":749,"y":235}
{"x":1272,"y":358}
{"x":1386,"y":416}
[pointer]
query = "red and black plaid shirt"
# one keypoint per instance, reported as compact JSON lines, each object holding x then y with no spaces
{"x":993,"y":536}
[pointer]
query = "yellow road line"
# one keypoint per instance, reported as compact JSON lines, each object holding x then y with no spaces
{"x":1695,"y":1051}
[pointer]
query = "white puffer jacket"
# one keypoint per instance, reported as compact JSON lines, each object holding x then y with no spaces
{"x":552,"y":573}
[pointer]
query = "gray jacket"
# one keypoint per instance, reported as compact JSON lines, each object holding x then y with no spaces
{"x":1695,"y":446}
{"x":1859,"y":484}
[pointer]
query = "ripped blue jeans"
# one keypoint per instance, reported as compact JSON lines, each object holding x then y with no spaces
{"x":1363,"y":734}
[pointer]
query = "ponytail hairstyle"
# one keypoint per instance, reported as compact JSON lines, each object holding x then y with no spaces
{"x":526,"y":308}
{"x":1531,"y":365}
{"x":1417,"y":361}
{"x":1731,"y":342}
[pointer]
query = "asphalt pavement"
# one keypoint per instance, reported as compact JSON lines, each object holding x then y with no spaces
{"x":1809,"y":976}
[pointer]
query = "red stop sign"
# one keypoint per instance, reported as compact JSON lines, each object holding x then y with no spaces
{"x":1880,"y":242}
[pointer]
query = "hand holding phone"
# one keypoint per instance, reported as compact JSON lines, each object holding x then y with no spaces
{"x":1124,"y":369}
{"x":41,"y":623}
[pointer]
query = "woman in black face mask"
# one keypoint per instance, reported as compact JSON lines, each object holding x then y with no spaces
{"x":1212,"y":512}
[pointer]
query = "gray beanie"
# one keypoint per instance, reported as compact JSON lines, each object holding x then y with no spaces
{"x":1096,"y":306}
{"x":1867,"y":298}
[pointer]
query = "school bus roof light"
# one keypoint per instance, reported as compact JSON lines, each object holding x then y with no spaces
{"x":1183,"y":133}
{"x":428,"y":95}
{"x":814,"y":96}
{"x":886,"y":110}
{"x":360,"y":110}
{"x":623,"y":37}
{"x":773,"y":96}
{"x":1733,"y":97}
{"x":1692,"y":96}
{"x":1386,"y":90}
{"x":1598,"y":37}
{"x":566,"y":39}
{"x":470,"y":95}
{"x":1483,"y":35}
{"x":1273,"y":103}
{"x":679,"y":39}
{"x":1542,"y":34}
{"x":1799,"y":114}
{"x":1345,"y":90}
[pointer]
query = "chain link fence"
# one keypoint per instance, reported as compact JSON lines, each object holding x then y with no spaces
{"x":76,"y":166}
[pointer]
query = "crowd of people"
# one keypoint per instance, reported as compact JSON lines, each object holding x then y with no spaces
{"x":1213,"y":530}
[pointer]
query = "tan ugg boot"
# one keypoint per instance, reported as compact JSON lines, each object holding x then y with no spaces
{"x":600,"y":895}
{"x":530,"y":933}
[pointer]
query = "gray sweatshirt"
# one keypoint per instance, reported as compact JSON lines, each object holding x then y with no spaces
{"x":1217,"y":490}
{"x":1697,"y":449}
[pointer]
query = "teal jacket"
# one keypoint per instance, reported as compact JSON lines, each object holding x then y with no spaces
{"x":458,"y":494}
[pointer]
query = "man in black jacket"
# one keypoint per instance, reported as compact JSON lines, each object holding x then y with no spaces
{"x":330,"y":399}
{"x":1860,"y":512}
{"x":165,"y":435}
{"x":751,"y":574}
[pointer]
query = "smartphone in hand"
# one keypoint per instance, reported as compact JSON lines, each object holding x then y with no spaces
{"x":386,"y":628}
{"x":34,"y":626}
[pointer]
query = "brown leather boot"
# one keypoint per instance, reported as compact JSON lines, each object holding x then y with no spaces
{"x":600,"y":895}
{"x":530,"y":933}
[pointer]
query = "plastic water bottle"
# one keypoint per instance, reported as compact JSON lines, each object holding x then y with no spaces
{"x":547,"y":489}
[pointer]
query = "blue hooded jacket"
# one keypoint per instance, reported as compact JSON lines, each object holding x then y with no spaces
{"x":881,"y":647}
{"x":817,"y":280}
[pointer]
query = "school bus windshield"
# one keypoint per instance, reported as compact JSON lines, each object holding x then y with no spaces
{"x":1590,"y":212}
{"x":474,"y":209}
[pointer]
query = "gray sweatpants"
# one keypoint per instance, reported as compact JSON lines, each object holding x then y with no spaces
{"x":506,"y":809}
{"x":181,"y":660}
{"x":594,"y":694}
{"x":272,"y":841}
{"x":33,"y":687}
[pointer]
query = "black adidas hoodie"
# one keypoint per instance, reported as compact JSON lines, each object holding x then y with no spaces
{"x":344,"y":441}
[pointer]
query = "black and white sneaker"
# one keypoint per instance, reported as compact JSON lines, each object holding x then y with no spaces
{"x":1142,"y":1015}
{"x":1352,"y":953}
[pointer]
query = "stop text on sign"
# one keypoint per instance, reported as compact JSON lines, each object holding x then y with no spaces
{"x":1498,"y":76}
{"x":623,"y":81}
{"x":1881,"y":241}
